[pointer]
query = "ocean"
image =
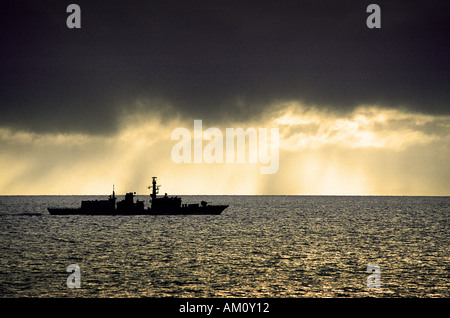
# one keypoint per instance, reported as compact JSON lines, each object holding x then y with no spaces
{"x":260,"y":246}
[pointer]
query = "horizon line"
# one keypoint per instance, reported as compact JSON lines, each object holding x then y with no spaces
{"x":304,"y":195}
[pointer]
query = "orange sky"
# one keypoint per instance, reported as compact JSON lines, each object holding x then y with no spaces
{"x":370,"y":151}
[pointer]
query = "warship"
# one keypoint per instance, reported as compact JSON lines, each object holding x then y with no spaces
{"x":162,"y":205}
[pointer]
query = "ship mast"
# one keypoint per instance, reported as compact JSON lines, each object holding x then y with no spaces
{"x":113,"y":196}
{"x":155,"y":188}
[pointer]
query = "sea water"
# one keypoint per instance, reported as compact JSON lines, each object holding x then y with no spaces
{"x":260,"y":246}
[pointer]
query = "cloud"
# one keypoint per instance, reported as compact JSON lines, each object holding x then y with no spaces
{"x":372,"y":151}
{"x":83,"y":108}
{"x":365,"y":127}
{"x":215,"y":60}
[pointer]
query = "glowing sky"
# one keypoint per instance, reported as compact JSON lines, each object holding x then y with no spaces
{"x":370,"y":151}
{"x":359,"y":111}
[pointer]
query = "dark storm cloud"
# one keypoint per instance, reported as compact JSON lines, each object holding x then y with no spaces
{"x":218,"y":60}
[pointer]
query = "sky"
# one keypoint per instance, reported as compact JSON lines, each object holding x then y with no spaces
{"x":359,"y":111}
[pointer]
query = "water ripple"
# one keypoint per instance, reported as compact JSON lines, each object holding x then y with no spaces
{"x":272,"y":246}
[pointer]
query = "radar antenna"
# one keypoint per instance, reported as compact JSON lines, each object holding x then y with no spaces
{"x":155,"y":188}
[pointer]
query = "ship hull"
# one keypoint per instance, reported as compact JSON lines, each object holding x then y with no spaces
{"x":76,"y":211}
{"x":199,"y":210}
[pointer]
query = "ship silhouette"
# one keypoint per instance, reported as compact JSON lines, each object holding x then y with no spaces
{"x":164,"y":205}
